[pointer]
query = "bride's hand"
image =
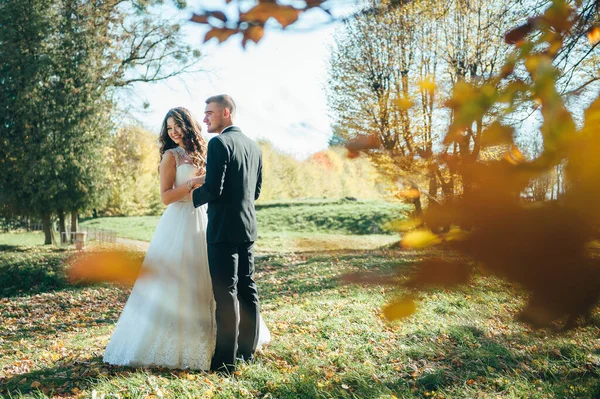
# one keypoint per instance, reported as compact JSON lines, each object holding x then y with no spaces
{"x":198,"y":181}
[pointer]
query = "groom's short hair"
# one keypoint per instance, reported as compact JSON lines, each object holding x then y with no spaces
{"x":224,"y":101}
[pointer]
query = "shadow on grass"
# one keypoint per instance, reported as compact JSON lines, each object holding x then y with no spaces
{"x":469,"y":356}
{"x":14,"y":248}
{"x":69,"y":377}
{"x":41,"y":329}
{"x":282,"y":275}
{"x":27,"y":270}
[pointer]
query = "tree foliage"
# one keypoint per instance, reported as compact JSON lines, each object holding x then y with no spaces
{"x":326,"y":174}
{"x":551,"y":69}
{"x":133,"y":179}
{"x":545,"y":249}
{"x":61,"y":63}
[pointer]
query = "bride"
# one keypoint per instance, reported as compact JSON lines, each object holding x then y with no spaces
{"x":169,"y":318}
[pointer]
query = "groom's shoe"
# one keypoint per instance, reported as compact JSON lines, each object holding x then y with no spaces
{"x":248,"y":358}
{"x":224,"y":369}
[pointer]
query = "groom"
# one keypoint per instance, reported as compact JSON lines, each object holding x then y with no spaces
{"x":233,"y":180}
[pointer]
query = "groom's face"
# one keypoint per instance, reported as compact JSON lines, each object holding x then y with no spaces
{"x":215,"y":117}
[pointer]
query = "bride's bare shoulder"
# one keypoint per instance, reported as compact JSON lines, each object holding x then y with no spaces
{"x":168,"y":159}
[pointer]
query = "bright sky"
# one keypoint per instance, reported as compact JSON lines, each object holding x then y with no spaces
{"x":278,"y":85}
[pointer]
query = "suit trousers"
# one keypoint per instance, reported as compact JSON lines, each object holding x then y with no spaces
{"x":236,"y":296}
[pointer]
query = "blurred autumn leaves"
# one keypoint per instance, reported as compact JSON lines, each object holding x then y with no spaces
{"x":115,"y":265}
{"x":251,"y":23}
{"x":543,"y":247}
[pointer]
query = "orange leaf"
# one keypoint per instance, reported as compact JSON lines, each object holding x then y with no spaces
{"x":593,"y":35}
{"x":353,"y":154}
{"x":514,"y":156}
{"x":285,"y":15}
{"x":253,"y":33}
{"x":412,"y":193}
{"x":363,"y":142}
{"x":117,"y":266}
{"x":219,"y":15}
{"x":221,"y":34}
{"x":199,"y":18}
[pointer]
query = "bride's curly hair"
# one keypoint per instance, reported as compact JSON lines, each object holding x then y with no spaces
{"x":195,"y":144}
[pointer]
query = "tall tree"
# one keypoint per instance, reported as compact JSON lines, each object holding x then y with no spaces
{"x":392,"y":69}
{"x":62,"y":64}
{"x":369,"y":91}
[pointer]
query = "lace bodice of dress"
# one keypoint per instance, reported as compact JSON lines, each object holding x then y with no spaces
{"x":185,"y":169}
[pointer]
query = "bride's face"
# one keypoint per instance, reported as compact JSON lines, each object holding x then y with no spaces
{"x":174,"y":132}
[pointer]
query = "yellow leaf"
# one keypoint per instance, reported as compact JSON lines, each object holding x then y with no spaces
{"x":404,"y":103}
{"x":400,"y":309}
{"x":36,"y":384}
{"x":456,"y":234}
{"x":419,"y":239}
{"x":496,"y":134}
{"x":427,"y":84}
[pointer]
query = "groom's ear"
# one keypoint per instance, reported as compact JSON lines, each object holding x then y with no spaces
{"x":226,"y":113}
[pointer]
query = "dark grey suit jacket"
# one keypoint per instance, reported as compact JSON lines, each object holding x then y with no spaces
{"x":233,"y":181}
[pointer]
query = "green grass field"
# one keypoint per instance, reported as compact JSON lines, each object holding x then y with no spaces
{"x":329,"y":340}
{"x":21,"y":238}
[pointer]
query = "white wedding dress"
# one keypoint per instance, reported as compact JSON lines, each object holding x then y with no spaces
{"x":169,"y":318}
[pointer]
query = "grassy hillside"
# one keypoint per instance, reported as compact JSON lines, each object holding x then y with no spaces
{"x":320,"y":216}
{"x":341,"y":217}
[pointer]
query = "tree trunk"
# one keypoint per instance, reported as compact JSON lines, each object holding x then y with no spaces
{"x":558,"y":183}
{"x":61,"y":226}
{"x":433,"y":185}
{"x":74,"y":224}
{"x":448,"y":189}
{"x":46,"y":222}
{"x":417,"y":201}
